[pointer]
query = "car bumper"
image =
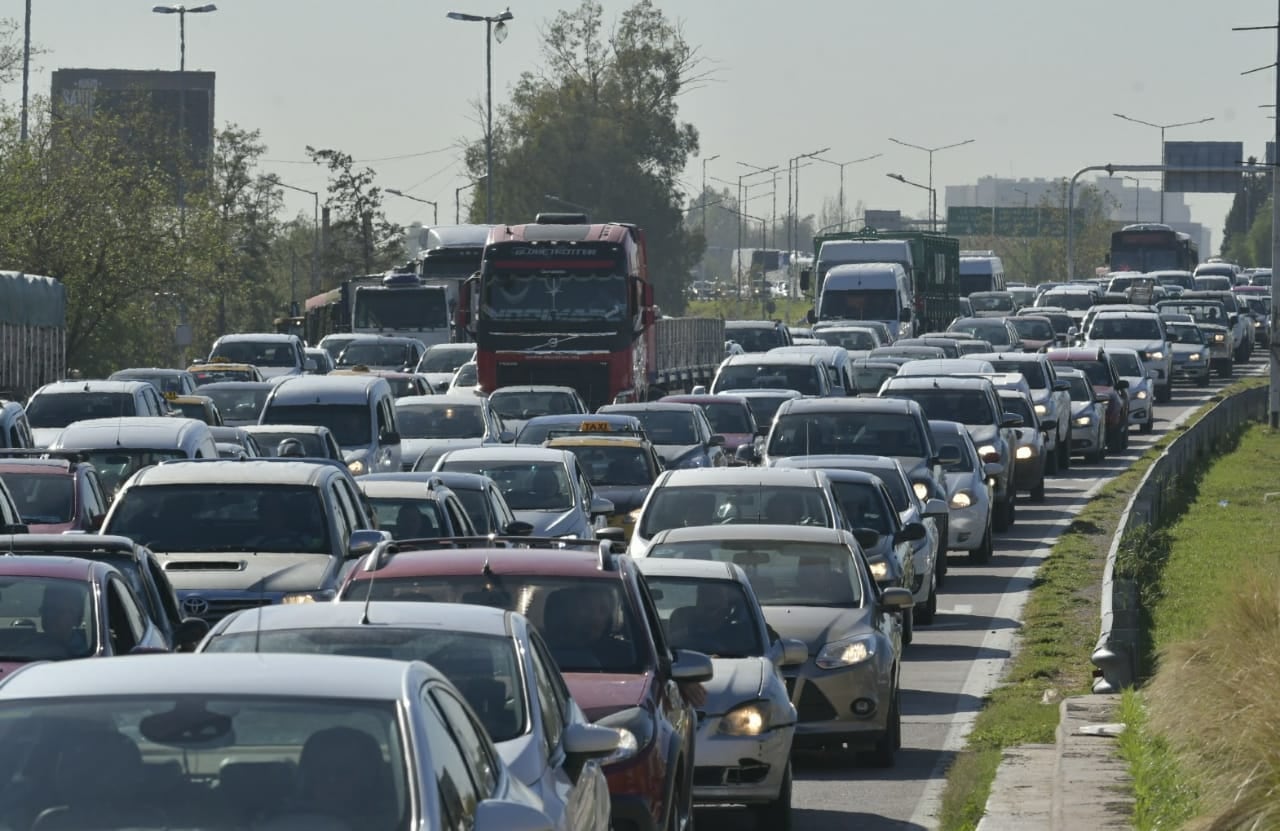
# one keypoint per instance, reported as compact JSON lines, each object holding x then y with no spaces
{"x":968,"y":526}
{"x":1139,"y":410}
{"x":1191,"y":370}
{"x":739,"y":769}
{"x":824,"y":704}
{"x":1086,"y":440}
{"x":1029,"y":473}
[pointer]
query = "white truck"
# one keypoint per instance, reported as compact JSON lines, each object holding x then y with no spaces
{"x":878,"y":288}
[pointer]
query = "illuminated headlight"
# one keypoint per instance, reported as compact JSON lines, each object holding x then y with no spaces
{"x":1042,"y":409}
{"x":1257,"y":324}
{"x":1084,"y":421}
{"x":879,"y":570}
{"x":1141,"y":395}
{"x":921,"y":489}
{"x":356,"y":467}
{"x":1219,"y":338}
{"x":1155,"y":356}
{"x":1023,"y":453}
{"x":306,"y":597}
{"x":962,"y":499}
{"x":989,"y":453}
{"x":746,"y":720}
{"x":1195,"y":356}
{"x":846,"y":653}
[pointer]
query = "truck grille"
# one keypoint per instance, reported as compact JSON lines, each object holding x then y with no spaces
{"x":589,"y":378}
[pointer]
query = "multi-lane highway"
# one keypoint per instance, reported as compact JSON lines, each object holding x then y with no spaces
{"x":955,"y":662}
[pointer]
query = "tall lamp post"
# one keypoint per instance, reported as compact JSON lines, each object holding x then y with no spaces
{"x":315,"y":245}
{"x":26,"y":66}
{"x":435,"y":208}
{"x":182,"y":12}
{"x":774,"y":171}
{"x":1162,"y":128}
{"x":490,"y":32}
{"x":457,"y":197}
{"x":702,"y":197}
{"x":933,"y":194}
{"x":933,"y":210}
{"x":842,"y":166}
{"x":793,"y":190}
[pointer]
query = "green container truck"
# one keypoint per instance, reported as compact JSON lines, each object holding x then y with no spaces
{"x":932,"y":262}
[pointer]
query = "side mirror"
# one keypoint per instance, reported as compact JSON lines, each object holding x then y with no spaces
{"x":746,"y":454}
{"x":935,"y":508}
{"x":363,"y":542}
{"x":1122,"y":384}
{"x":588,"y":741}
{"x":1049,"y":425}
{"x":692,"y":667}
{"x":897,"y":598}
{"x":912,"y":531}
{"x":501,"y":815}
{"x":948,"y":455}
{"x":1102,"y":398}
{"x":1233,"y":319}
{"x":601,"y":506}
{"x":389,"y":437}
{"x":517,"y":528}
{"x":716,"y":440}
{"x":699,"y":389}
{"x":794,"y":652}
{"x":991,"y":469}
{"x":811,"y":316}
{"x":1011,"y":420}
{"x":611,"y":534}
{"x":806,"y":277}
{"x":866,"y":537}
{"x":189,"y":632}
{"x":506,"y":436}
{"x":1061,"y":386}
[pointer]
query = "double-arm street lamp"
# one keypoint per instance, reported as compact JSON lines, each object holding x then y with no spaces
{"x":491,"y":31}
{"x":182,"y":12}
{"x":1162,"y":128}
{"x":315,"y":235}
{"x":933,"y":194}
{"x":793,"y":196}
{"x":933,"y":210}
{"x":435,"y":208}
{"x":842,"y":166}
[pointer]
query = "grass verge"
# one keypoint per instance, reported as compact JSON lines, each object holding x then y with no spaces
{"x":1060,"y":616}
{"x":1163,"y":795}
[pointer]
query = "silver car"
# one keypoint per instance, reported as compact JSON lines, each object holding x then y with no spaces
{"x":1142,"y":396}
{"x":1088,"y":416}
{"x":814,"y":586}
{"x":743,"y":744}
{"x":968,"y":490}
{"x":431,"y":425}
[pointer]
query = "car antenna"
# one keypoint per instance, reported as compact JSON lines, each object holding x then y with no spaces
{"x":371,"y":566}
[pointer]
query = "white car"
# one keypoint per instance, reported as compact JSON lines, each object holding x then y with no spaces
{"x":1139,"y":331}
{"x":465,"y":380}
{"x":1142,"y":395}
{"x":441,"y":362}
{"x":968,"y":491}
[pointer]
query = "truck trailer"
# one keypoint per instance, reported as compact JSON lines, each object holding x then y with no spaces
{"x":33,"y":333}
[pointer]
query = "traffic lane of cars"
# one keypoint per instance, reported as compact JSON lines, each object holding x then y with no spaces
{"x":954,"y":663}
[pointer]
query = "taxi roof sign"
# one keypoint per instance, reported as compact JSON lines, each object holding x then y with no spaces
{"x":595,"y":427}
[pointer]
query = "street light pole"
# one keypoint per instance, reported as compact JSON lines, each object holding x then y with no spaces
{"x":842,"y":166}
{"x":933,"y":210}
{"x":435,"y":209}
{"x":457,"y":198}
{"x":490,"y":32}
{"x":182,"y":11}
{"x":26,"y":66}
{"x":702,"y":197}
{"x":1162,"y":128}
{"x":315,"y":235}
{"x":933,"y":194}
{"x":741,"y":201}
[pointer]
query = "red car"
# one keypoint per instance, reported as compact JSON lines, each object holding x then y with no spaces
{"x":731,"y":417}
{"x":55,"y":495}
{"x":602,"y":626}
{"x":1106,"y":381}
{"x":58,"y":608}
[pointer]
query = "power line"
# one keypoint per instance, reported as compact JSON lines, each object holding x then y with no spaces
{"x":400,"y":157}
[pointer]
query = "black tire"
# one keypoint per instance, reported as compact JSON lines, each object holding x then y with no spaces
{"x":1064,"y":453}
{"x":1037,"y":493}
{"x":1149,"y":424}
{"x":1001,"y":517}
{"x":1124,"y":439}
{"x":926,"y":612}
{"x":908,"y":626}
{"x":776,"y":814}
{"x":1164,"y":394}
{"x":681,"y":797}
{"x":885,"y":752}
{"x":1226,"y":369}
{"x":982,"y":554}
{"x":1051,"y":459}
{"x":1094,"y":457}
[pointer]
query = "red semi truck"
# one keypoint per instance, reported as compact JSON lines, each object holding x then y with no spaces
{"x":567,"y":302}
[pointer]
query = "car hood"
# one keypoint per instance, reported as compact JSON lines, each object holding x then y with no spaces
{"x":439,"y":381}
{"x":818,"y":625}
{"x":1212,"y":327}
{"x":625,"y":498}
{"x":246,"y":571}
{"x":45,"y":436}
{"x":413,"y":449}
{"x":1189,"y":348}
{"x":672,"y":454}
{"x":982,"y":433}
{"x":1082,"y":408}
{"x":1140,"y":346}
{"x":735,"y":680}
{"x":269,"y":372}
{"x":1136,"y":382}
{"x":601,"y":694}
{"x":550,"y":523}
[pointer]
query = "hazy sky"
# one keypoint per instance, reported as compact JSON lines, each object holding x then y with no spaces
{"x":1034,"y":83}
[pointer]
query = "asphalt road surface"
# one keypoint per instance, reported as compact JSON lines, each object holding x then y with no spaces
{"x":954,"y":663}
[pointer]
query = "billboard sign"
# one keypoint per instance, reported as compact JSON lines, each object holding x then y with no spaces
{"x":883,"y":220}
{"x":1025,"y":222}
{"x":1203,"y":154}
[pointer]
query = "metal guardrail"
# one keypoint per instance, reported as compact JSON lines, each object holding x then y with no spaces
{"x":1117,"y":651}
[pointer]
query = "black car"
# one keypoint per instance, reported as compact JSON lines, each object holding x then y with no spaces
{"x":680,"y":433}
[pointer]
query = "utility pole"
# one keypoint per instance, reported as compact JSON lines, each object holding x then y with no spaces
{"x":26,"y":66}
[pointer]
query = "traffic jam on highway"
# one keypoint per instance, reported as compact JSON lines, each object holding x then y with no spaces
{"x":531,"y":555}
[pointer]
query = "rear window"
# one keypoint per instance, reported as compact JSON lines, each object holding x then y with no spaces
{"x":679,"y":507}
{"x":60,"y":409}
{"x":845,"y":433}
{"x":1031,"y":370}
{"x":971,"y":407}
{"x":803,"y":378}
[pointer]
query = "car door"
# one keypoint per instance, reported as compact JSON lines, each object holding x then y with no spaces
{"x":127,"y":626}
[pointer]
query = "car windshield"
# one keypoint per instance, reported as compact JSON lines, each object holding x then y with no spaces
{"x":1201,"y":312}
{"x":588,"y":623}
{"x":994,"y":332}
{"x":42,"y":499}
{"x":60,"y":409}
{"x":872,"y":378}
{"x":476,"y":504}
{"x":1031,"y":370}
{"x":468,"y":375}
{"x":1095,"y":371}
{"x":258,"y":353}
{"x":670,"y":427}
{"x":484,"y":668}
{"x":1185,"y":332}
{"x":440,"y":421}
{"x":350,"y":424}
{"x":445,"y":360}
{"x":617,"y":466}
{"x":313,"y":444}
{"x":223,"y":517}
{"x":1072,"y":301}
{"x":1118,"y":327}
{"x":801,"y":377}
{"x":214,"y":373}
{"x":116,"y":465}
{"x":376,"y":354}
{"x":755,"y":338}
{"x":240,"y":405}
{"x":1029,"y":328}
{"x":407,"y":519}
{"x":191,"y":409}
{"x":782,"y":572}
{"x":843,"y":433}
{"x":45,"y":619}
{"x":1127,"y":365}
{"x":303,"y":760}
{"x":526,"y":404}
{"x":991,"y":302}
{"x":714,"y":617}
{"x":402,"y":387}
{"x":765,"y":407}
{"x":863,"y":505}
{"x":678,"y":507}
{"x":335,"y":344}
{"x":527,"y":486}
{"x":728,"y":417}
{"x":859,"y":304}
{"x":164,"y":382}
{"x":858,"y":339}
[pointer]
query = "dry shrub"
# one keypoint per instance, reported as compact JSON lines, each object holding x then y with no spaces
{"x":1217,"y":700}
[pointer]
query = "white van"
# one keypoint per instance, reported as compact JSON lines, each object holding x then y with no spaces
{"x":869,"y":291}
{"x":980,"y":271}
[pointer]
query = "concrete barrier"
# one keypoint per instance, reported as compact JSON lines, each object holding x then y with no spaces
{"x":1154,"y":503}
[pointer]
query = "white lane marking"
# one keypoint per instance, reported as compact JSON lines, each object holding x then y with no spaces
{"x":958,"y":609}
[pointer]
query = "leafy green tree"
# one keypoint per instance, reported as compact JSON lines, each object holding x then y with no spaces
{"x":360,"y":240}
{"x":599,"y":126}
{"x":1254,"y":247}
{"x":1254,"y":192}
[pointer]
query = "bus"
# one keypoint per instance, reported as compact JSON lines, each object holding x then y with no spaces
{"x":1152,"y":247}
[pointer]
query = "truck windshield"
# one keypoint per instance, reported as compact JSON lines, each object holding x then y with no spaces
{"x":855,"y":304}
{"x":512,"y":294}
{"x":401,"y":309}
{"x":969,"y":283}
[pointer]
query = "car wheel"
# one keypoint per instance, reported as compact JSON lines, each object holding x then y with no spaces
{"x":1225,"y":369}
{"x":1124,"y":439}
{"x":1064,"y":453}
{"x":1052,"y":459}
{"x":908,"y":626}
{"x":1149,"y":424}
{"x":1165,"y":394}
{"x":776,"y":814}
{"x":929,"y":609}
{"x":982,"y":554}
{"x":883,"y":755}
{"x":680,"y":812}
{"x":1037,"y":493}
{"x":1002,"y":515}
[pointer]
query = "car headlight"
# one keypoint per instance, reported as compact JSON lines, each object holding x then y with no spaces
{"x":299,"y":598}
{"x":961,"y":499}
{"x":846,"y":653}
{"x":879,"y":570}
{"x":989,"y":453}
{"x":1141,"y":395}
{"x":1041,"y":409}
{"x":1023,"y":453}
{"x":1083,"y":421}
{"x":1257,"y":324}
{"x":1156,"y":356}
{"x":635,"y":732}
{"x":356,"y":467}
{"x":749,"y":719}
{"x":1195,"y":356}
{"x":921,"y":489}
{"x":1219,"y":338}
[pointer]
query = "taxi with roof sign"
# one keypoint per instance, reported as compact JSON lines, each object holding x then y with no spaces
{"x":620,"y":465}
{"x":199,"y":407}
{"x":221,"y":369}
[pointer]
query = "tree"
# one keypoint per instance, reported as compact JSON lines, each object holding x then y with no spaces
{"x":598,"y":126}
{"x":1254,"y":192}
{"x":360,"y":240}
{"x":1254,"y":248}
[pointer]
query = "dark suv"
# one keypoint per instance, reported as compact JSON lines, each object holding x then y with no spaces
{"x":596,"y":614}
